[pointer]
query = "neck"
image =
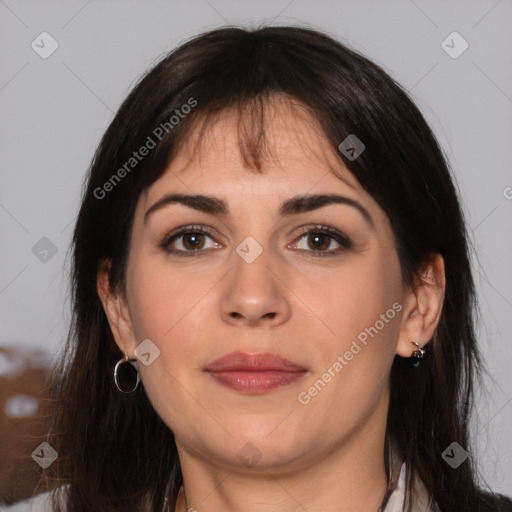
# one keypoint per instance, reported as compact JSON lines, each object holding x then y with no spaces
{"x":350,"y":477}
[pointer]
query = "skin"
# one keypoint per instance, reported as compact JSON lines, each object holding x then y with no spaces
{"x":326,"y":455}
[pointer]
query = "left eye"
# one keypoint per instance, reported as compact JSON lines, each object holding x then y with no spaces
{"x":320,"y":239}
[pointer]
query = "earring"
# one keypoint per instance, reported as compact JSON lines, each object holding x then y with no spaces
{"x":126,"y":375}
{"x":417,"y":354}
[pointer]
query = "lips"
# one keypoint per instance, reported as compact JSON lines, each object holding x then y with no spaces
{"x":241,"y":361}
{"x":254,"y":373}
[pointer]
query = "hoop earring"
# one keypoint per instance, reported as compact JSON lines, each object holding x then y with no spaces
{"x":417,"y":354}
{"x":126,"y":376}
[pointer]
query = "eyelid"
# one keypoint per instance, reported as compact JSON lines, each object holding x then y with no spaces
{"x":324,"y":228}
{"x":191,"y":227}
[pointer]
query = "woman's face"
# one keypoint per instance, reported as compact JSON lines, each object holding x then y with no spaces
{"x":257,"y":282}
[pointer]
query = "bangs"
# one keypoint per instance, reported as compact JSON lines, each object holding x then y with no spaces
{"x":252,"y":118}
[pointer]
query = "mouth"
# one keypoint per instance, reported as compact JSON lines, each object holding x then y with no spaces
{"x":254,"y":373}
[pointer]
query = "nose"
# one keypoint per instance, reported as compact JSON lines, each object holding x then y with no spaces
{"x":255,"y":293}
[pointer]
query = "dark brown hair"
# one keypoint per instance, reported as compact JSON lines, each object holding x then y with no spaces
{"x":115,"y":452}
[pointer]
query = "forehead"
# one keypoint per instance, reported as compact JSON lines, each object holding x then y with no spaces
{"x":270,"y":142}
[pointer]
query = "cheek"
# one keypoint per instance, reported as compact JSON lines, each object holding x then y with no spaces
{"x":361,"y":308}
{"x":171,"y":309}
{"x":351,"y":372}
{"x":354,"y":297}
{"x":167,"y":309}
{"x":161,"y":300}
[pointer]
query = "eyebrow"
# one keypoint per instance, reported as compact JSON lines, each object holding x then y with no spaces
{"x":292,"y":206}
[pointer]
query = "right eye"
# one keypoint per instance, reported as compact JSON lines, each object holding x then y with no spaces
{"x":189,"y":241}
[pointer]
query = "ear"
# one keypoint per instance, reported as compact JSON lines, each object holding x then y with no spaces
{"x":423,"y":306}
{"x":116,"y":309}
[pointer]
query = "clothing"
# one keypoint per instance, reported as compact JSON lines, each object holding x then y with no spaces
{"x":394,"y":501}
{"x":39,"y":503}
{"x":397,"y":497}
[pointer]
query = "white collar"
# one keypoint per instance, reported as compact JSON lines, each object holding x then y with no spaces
{"x":397,"y":499}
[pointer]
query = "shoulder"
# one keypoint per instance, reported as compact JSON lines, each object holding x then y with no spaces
{"x":39,"y":503}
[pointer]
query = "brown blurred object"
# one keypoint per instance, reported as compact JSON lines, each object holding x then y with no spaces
{"x":24,"y":415}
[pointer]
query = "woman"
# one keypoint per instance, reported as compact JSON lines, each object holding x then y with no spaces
{"x":271,"y":242}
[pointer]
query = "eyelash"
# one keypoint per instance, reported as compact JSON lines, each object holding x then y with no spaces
{"x":332,"y":233}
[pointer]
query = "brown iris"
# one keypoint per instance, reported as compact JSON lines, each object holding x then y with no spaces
{"x":196,"y":239}
{"x":316,"y":237}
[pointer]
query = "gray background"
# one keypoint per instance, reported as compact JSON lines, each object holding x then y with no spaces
{"x":54,"y":111}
